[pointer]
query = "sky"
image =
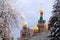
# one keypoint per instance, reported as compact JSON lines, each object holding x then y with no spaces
{"x":31,"y":10}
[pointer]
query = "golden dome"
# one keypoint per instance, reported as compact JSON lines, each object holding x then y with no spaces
{"x":46,"y":28}
{"x":35,"y":28}
{"x":41,"y":10}
{"x":25,"y":24}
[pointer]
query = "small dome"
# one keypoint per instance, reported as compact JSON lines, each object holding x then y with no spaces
{"x":41,"y":10}
{"x":25,"y":24}
{"x":46,"y":28}
{"x":35,"y":28}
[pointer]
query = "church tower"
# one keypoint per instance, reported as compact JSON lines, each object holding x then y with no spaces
{"x":41,"y":23}
{"x":25,"y":33}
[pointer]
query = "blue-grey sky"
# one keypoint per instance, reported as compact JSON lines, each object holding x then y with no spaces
{"x":30,"y":9}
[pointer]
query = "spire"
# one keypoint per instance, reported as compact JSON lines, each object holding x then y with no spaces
{"x":41,"y":15}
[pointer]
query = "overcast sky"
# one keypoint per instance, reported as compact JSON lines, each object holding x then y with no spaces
{"x":30,"y":9}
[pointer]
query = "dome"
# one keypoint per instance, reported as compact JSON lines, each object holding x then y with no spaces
{"x":41,"y":10}
{"x":35,"y":28}
{"x":46,"y":28}
{"x":25,"y":24}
